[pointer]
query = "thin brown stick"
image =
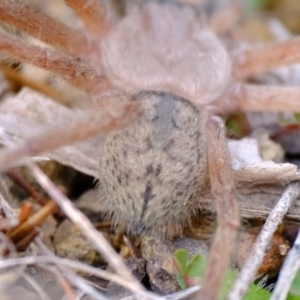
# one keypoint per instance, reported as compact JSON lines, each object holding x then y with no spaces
{"x":25,"y":212}
{"x":20,"y":180}
{"x":35,"y":220}
{"x":43,"y":27}
{"x":22,"y":80}
{"x":93,"y":15}
{"x":222,"y":188}
{"x":23,"y":244}
{"x":83,"y":126}
{"x":72,"y":69}
{"x":259,"y":59}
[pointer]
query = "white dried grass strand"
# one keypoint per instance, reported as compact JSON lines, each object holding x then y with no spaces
{"x":78,"y":296}
{"x":44,"y":260}
{"x":256,"y":256}
{"x":288,"y":272}
{"x":87,"y":228}
{"x":10,"y":213}
{"x":174,"y":296}
{"x":74,"y":280}
{"x":182,"y":294}
{"x":84,"y":224}
{"x":35,"y":285}
{"x":85,"y":268}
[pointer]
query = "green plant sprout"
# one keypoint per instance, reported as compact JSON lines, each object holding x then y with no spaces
{"x":191,"y":270}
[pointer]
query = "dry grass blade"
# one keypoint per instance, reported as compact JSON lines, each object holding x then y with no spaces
{"x":182,"y":294}
{"x":36,"y":220}
{"x":257,"y":254}
{"x":288,"y":272}
{"x":44,"y":260}
{"x":70,"y":275}
{"x":36,"y":286}
{"x":87,"y":228}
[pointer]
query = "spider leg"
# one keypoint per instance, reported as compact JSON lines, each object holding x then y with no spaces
{"x":81,"y":127}
{"x":73,"y":69}
{"x":43,"y":27}
{"x":93,"y":15}
{"x":262,"y":58}
{"x":222,"y":188}
{"x":250,"y":97}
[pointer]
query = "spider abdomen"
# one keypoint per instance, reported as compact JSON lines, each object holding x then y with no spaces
{"x":151,"y":170}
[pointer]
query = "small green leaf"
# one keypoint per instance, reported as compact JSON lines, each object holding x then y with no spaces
{"x":181,"y":257}
{"x":196,"y":266}
{"x":181,"y":281}
{"x":195,"y":269}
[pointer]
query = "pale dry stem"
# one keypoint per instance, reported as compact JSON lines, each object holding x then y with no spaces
{"x":256,"y":256}
{"x":255,"y":60}
{"x":34,"y":284}
{"x":10,"y":213}
{"x":43,"y":27}
{"x":222,"y":188}
{"x":87,"y":228}
{"x":70,"y":275}
{"x":182,"y":294}
{"x":288,"y":272}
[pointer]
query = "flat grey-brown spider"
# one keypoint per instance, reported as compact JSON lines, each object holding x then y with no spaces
{"x":172,"y":70}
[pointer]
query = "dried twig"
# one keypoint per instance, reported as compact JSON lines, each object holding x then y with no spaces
{"x":42,"y":260}
{"x":257,"y":254}
{"x":175,"y":296}
{"x":83,"y":223}
{"x":288,"y":272}
{"x":72,"y":277}
{"x":35,"y":285}
{"x":182,"y":294}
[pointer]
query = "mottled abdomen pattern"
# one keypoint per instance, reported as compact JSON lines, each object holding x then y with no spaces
{"x":152,"y":169}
